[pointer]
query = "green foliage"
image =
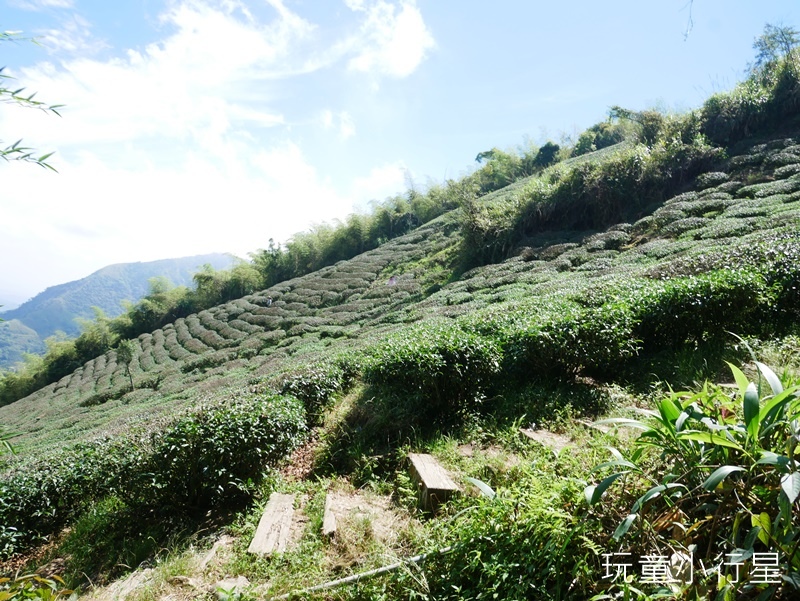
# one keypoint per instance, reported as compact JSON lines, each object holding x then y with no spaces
{"x":33,"y":587}
{"x":775,"y":43}
{"x":585,"y":196}
{"x":599,"y":136}
{"x":686,"y":310}
{"x":767,"y":98}
{"x":519,"y":545}
{"x":195,"y":463}
{"x":725,"y":472}
{"x":547,"y":155}
{"x":209,"y":457}
{"x":316,"y":385}
{"x":125,"y":354}
{"x":439,"y":368}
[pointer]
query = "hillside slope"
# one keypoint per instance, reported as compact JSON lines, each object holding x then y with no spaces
{"x":57,"y":307}
{"x":357,"y":303}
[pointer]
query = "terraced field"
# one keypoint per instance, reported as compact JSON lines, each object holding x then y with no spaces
{"x":751,"y":198}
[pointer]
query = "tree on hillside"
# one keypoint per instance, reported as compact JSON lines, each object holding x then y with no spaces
{"x":18,"y":96}
{"x":776,"y":42}
{"x":547,"y":155}
{"x":125,"y":352}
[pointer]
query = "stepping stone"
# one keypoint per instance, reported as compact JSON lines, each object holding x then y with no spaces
{"x":548,"y":439}
{"x":435,"y":484}
{"x":273,"y":530}
{"x":329,"y":519}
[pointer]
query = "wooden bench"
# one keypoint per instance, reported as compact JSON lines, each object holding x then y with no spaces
{"x":273,"y":530}
{"x":435,"y":484}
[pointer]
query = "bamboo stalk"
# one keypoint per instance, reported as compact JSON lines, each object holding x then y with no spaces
{"x":361,"y":576}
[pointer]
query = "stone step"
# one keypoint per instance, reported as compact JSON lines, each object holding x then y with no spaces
{"x":272,"y":534}
{"x":551,"y":440}
{"x":435,"y":484}
{"x":329,"y":518}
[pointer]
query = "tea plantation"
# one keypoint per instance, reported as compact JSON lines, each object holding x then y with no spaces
{"x":599,"y":285}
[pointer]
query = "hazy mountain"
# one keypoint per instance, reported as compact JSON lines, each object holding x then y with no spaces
{"x":56,"y":308}
{"x":15,"y":339}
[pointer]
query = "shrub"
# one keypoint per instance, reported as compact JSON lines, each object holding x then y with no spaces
{"x":192,"y":464}
{"x":210,"y":455}
{"x":707,"y":306}
{"x":522,"y":544}
{"x":437,"y":367}
{"x":595,"y":341}
{"x":316,"y":386}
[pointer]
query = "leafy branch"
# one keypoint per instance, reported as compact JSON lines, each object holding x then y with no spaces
{"x":18,"y":96}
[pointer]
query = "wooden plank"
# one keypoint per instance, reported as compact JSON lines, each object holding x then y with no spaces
{"x":273,"y":530}
{"x":435,"y":484}
{"x":329,"y":519}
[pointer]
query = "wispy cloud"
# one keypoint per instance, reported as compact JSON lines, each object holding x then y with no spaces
{"x":72,"y":38}
{"x":41,"y":4}
{"x":342,"y":122}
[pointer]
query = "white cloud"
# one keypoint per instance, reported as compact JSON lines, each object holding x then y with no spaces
{"x":393,"y":40}
{"x":182,"y":146}
{"x":381,"y":182}
{"x":204,"y":82}
{"x":342,"y":122}
{"x":356,"y":5}
{"x":347,"y":127}
{"x":41,"y":4}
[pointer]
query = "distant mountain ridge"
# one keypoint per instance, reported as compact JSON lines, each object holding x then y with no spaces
{"x":57,"y":307}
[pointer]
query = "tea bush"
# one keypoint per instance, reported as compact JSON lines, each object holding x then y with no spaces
{"x":209,"y":456}
{"x":189,"y":466}
{"x":437,"y":366}
{"x":316,"y":386}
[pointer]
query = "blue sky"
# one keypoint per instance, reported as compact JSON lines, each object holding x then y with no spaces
{"x":195,"y":126}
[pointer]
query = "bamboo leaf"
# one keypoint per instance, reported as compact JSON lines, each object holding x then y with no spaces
{"x":593,"y":493}
{"x":626,"y":524}
{"x":769,"y":412}
{"x":720,"y":474}
{"x":623,"y":421}
{"x":790,"y":483}
{"x":653,"y":493}
{"x":741,"y":380}
{"x":769,"y":375}
{"x":485,"y":489}
{"x":751,"y":410}
{"x":710,"y":438}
